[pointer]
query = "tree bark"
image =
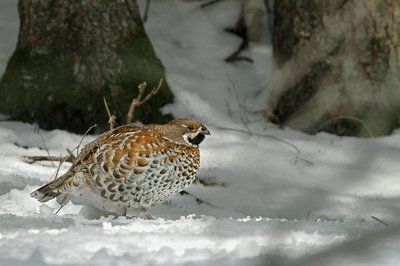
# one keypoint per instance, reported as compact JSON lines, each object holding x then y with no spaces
{"x":71,"y":54}
{"x":337,"y":65}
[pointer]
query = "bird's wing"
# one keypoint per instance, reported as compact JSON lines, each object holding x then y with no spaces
{"x":127,"y":152}
{"x":106,"y":137}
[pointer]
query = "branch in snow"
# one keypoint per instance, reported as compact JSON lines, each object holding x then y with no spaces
{"x":209,"y":182}
{"x":33,"y":159}
{"x":298,"y":151}
{"x":380,"y":220}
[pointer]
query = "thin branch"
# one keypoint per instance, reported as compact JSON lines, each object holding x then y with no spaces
{"x":198,"y":200}
{"x":240,"y":30}
{"x":260,"y":135}
{"x":242,"y":108}
{"x":32,"y":159}
{"x":78,"y":147}
{"x":62,"y":160}
{"x":209,"y":3}
{"x":209,"y":182}
{"x":45,"y":146}
{"x":69,"y":158}
{"x":346,"y":118}
{"x":235,"y":56}
{"x":308,"y":215}
{"x":138,"y":101}
{"x":63,"y":202}
{"x":146,"y":10}
{"x":111,"y":118}
{"x":329,"y":122}
{"x":297,"y":158}
{"x":379,"y":220}
{"x":73,"y":157}
{"x":153,"y":92}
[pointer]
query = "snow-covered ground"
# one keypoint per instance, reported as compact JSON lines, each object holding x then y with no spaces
{"x":335,"y":201}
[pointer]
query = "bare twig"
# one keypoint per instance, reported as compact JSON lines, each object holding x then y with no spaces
{"x":209,"y":3}
{"x":343,"y":117}
{"x":69,"y":158}
{"x":308,"y":215}
{"x":32,"y":159}
{"x":146,"y":10}
{"x":59,"y":209}
{"x":73,"y":157}
{"x":83,"y":137}
{"x":228,"y":101}
{"x":209,"y":182}
{"x":329,"y":122}
{"x":77,"y":148}
{"x":62,"y":160}
{"x":198,"y":200}
{"x":244,"y":118}
{"x":240,"y":30}
{"x":297,"y":158}
{"x":379,"y":220}
{"x":111,"y":118}
{"x":242,"y":108}
{"x":235,"y":56}
{"x":63,"y":202}
{"x":138,"y":101}
{"x":45,"y":146}
{"x":260,"y":135}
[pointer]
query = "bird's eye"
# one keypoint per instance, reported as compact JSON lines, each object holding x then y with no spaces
{"x":190,"y":127}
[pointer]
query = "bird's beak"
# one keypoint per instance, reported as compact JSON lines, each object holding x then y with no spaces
{"x":205,"y":131}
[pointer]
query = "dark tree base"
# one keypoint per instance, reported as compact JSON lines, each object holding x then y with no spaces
{"x":71,"y":54}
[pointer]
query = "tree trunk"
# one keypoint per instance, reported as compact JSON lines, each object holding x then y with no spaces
{"x":71,"y":54}
{"x":337,"y":66}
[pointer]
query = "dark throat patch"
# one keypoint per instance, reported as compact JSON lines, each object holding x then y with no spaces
{"x":197,"y":140}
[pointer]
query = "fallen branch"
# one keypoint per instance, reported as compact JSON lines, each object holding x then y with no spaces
{"x":379,"y":220}
{"x":69,"y":158}
{"x":298,"y":151}
{"x":235,"y":56}
{"x":33,"y":159}
{"x":62,"y":160}
{"x":329,"y":122}
{"x":209,"y":182}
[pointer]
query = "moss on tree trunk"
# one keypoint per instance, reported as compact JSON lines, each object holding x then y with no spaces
{"x":71,"y":54}
{"x":337,"y":61}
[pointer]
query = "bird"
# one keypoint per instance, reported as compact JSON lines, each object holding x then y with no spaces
{"x":132,"y":167}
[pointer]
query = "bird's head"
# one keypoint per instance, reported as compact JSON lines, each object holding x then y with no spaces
{"x":192,"y":131}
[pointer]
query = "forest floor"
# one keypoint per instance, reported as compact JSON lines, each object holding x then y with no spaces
{"x":281,"y":197}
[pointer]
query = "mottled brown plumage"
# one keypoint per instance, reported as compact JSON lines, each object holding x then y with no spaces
{"x":133,"y":166}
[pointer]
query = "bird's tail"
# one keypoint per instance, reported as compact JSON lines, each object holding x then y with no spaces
{"x":50,"y":190}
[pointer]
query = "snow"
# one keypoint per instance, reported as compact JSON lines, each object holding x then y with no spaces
{"x":334,"y":201}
